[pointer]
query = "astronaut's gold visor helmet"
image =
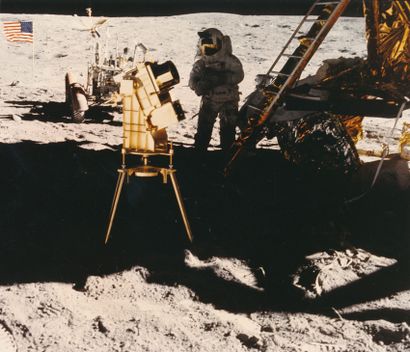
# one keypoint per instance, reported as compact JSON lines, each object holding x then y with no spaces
{"x":210,"y":41}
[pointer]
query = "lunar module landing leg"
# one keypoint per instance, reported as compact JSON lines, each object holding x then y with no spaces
{"x":277,"y":83}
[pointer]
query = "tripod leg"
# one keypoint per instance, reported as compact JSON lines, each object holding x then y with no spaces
{"x":181,"y":205}
{"x":117,"y":194}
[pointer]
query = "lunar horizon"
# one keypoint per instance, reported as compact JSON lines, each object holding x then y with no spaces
{"x":164,"y":7}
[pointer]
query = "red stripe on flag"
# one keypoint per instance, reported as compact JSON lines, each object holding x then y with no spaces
{"x":18,"y":31}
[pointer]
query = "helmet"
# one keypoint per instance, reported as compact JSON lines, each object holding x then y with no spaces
{"x":210,"y":41}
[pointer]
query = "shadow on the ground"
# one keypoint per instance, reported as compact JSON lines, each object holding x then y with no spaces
{"x":60,"y":112}
{"x":393,"y":315}
{"x":55,"y":200}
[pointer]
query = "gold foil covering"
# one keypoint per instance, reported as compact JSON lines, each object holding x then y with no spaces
{"x":388,"y":35}
{"x":353,"y":126}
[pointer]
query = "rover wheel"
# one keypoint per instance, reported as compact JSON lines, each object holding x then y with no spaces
{"x":75,"y":98}
{"x":78,"y":105}
{"x":78,"y":116}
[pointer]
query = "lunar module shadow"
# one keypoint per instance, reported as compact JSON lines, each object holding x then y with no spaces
{"x":56,"y":198}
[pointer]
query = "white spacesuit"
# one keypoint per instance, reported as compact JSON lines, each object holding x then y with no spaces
{"x":215,"y":77}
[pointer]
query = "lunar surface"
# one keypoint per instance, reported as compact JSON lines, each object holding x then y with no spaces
{"x":270,"y":269}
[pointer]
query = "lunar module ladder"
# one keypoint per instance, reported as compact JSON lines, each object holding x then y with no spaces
{"x":292,"y":69}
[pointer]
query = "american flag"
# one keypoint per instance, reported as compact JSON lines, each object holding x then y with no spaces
{"x":18,"y":31}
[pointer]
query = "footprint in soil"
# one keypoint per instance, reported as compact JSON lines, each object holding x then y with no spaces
{"x":388,"y":333}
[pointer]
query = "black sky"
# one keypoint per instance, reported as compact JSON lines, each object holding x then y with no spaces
{"x":164,"y":7}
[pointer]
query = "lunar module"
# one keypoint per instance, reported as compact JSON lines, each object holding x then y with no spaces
{"x":317,"y":120}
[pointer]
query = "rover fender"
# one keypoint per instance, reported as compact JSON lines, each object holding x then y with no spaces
{"x":76,"y":98}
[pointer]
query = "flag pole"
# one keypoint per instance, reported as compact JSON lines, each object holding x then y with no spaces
{"x":32,"y":61}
